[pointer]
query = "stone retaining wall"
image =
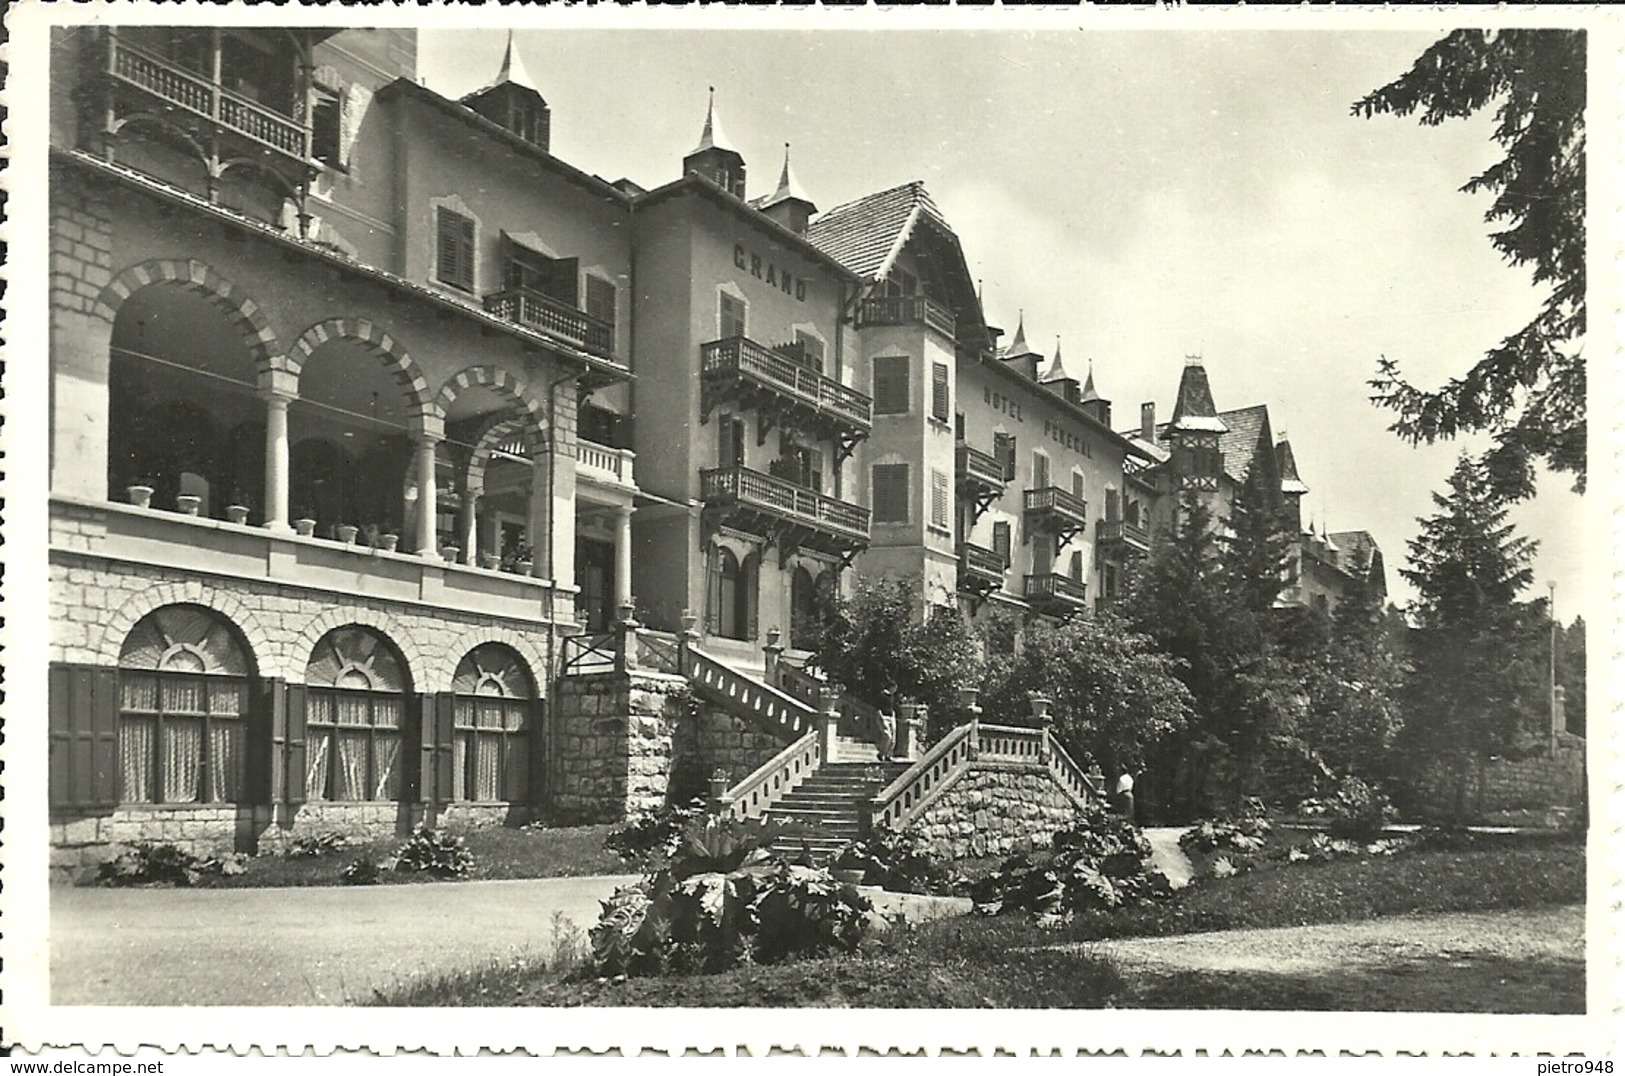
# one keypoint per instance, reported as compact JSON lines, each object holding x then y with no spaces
{"x":1501,"y":788}
{"x":710,"y":739}
{"x":613,"y":743}
{"x":996,"y":809}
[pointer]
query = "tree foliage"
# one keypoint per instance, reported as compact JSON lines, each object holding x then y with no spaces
{"x":1528,"y":391}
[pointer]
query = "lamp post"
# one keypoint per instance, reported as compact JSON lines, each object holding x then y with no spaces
{"x":1551,"y":663}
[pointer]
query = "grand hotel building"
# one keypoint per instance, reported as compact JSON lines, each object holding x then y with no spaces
{"x":366,"y":408}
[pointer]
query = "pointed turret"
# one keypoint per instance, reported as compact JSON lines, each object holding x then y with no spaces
{"x":1092,"y":401}
{"x":512,"y":100}
{"x":1292,"y":487}
{"x":1020,"y":354}
{"x":789,"y":203}
{"x":715,"y":157}
{"x":1057,"y":380}
{"x":1194,"y":431}
{"x":1193,"y":407}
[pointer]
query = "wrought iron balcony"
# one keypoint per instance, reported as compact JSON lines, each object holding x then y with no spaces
{"x":536,"y":310}
{"x":1116,"y":536}
{"x":1058,"y":595}
{"x":202,"y":99}
{"x":782,"y":391}
{"x":1054,"y":509}
{"x":980,"y":569}
{"x":788,"y":515}
{"x":906,"y":310}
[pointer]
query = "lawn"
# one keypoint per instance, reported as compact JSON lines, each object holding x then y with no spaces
{"x":498,"y":851}
{"x":1008,"y":962}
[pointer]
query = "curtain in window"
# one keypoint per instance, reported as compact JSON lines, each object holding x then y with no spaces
{"x":350,"y":780}
{"x":183,"y":759}
{"x":135,"y":751}
{"x":316,"y":760}
{"x":225,"y":767}
{"x":487,"y":767}
{"x":387,"y":747}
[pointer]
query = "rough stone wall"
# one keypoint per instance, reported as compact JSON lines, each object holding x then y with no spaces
{"x":612,"y":743}
{"x":710,"y":739}
{"x":1554,"y":778}
{"x":995,"y":809}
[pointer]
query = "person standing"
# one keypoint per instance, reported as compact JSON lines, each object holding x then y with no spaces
{"x":1123,"y":795}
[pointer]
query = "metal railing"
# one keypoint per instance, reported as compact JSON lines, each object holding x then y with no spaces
{"x":585,"y":655}
{"x":1109,"y":531}
{"x":977,"y":466}
{"x":906,"y":310}
{"x":537,"y":310}
{"x":136,"y":66}
{"x":1060,"y":502}
{"x":1052,"y":586}
{"x":784,"y":498}
{"x":745,"y":358}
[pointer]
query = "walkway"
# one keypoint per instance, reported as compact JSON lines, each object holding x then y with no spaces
{"x":1167,"y":856}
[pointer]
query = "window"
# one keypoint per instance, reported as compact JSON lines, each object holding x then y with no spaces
{"x":491,"y":717}
{"x":1075,"y":568}
{"x":807,"y":597}
{"x":1108,"y":581}
{"x":731,"y":595}
{"x":601,"y":301}
{"x":557,"y":278}
{"x":1001,"y":541}
{"x":959,"y":425}
{"x":900,"y":282}
{"x":454,"y":249}
{"x":1040,"y":471}
{"x":1077,"y":484}
{"x":731,"y":441}
{"x":1043,"y":554}
{"x":891,"y":385}
{"x":1112,"y":502}
{"x":731,"y":312}
{"x":353,"y":718}
{"x":324,"y":127}
{"x":890,"y":489}
{"x":939,"y":499}
{"x":939,"y":391}
{"x":1004,"y":450}
{"x":183,"y":696}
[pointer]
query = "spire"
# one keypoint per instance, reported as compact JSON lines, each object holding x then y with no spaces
{"x":1291,"y":484}
{"x":1018,"y":343}
{"x":1089,"y":392}
{"x":789,"y":188}
{"x":712,"y":137}
{"x":1193,"y":408}
{"x":1057,"y":371}
{"x":513,"y":68}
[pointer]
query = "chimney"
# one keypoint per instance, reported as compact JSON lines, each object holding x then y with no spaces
{"x":1148,"y":422}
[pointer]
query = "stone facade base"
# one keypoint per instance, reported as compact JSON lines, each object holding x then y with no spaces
{"x":709,"y":739}
{"x":612,"y":743}
{"x":1510,"y":791}
{"x":996,"y":809}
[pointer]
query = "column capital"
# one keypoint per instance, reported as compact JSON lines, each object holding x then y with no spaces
{"x":278,"y":384}
{"x":427,"y":429}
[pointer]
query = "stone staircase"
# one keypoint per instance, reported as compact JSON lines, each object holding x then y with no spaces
{"x":832,"y":800}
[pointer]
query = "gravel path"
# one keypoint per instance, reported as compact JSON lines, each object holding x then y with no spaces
{"x":1167,"y":856}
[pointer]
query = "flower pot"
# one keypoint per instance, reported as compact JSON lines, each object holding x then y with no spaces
{"x":140,"y":496}
{"x":346,"y":534}
{"x":388,"y":542}
{"x":523,"y":567}
{"x":304,"y":527}
{"x":451,"y":553}
{"x":189,"y":503}
{"x":237,"y":513}
{"x":488,"y":561}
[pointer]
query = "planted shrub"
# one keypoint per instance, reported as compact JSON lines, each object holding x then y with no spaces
{"x":653,"y":834}
{"x":1243,"y":832}
{"x":363,"y":870}
{"x":314,"y":844}
{"x":1357,"y":811}
{"x":898,"y":861}
{"x":430,"y":851}
{"x":150,"y":863}
{"x":1099,"y":862}
{"x":721,"y":899}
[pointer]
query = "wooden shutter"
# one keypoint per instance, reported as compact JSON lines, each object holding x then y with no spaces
{"x":295,"y":745}
{"x":959,"y":425}
{"x":750,"y":584}
{"x":939,"y":499}
{"x":1004,"y":447}
{"x":713,"y":591}
{"x":268,"y":742}
{"x":891,"y":385}
{"x":1077,"y":566}
{"x":436,"y":755}
{"x":1040,"y":470}
{"x":1077,"y":484}
{"x":730,"y":316}
{"x":890,"y":489}
{"x":812,"y":351}
{"x":454,"y":249}
{"x":939,"y":391}
{"x":1001,"y":541}
{"x":601,"y":300}
{"x":564,"y":280}
{"x":83,"y":723}
{"x":536,"y":781}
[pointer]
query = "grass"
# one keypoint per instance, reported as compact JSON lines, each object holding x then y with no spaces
{"x":499,"y":852}
{"x":1009,"y":962}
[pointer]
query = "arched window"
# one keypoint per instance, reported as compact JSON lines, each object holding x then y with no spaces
{"x":494,"y":698}
{"x":731,"y":595}
{"x":356,"y":698}
{"x":183,"y":699}
{"x":804,"y":608}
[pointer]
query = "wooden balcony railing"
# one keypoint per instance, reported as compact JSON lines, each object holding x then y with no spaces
{"x":1057,"y":509}
{"x":745,"y":359}
{"x":784,"y":500}
{"x":906,"y":310}
{"x":979,"y":568}
{"x":535,"y":310}
{"x":184,"y":89}
{"x":973,"y":467}
{"x":1118,"y":533}
{"x":1053,"y":589}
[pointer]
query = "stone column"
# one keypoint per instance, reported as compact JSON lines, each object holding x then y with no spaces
{"x":469,"y":526}
{"x":277,"y":398}
{"x":424,"y":443}
{"x":623,"y":554}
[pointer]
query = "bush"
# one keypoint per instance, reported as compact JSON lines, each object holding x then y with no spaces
{"x":315,"y":844}
{"x":898,"y":861}
{"x":720,"y":900}
{"x":150,"y":863}
{"x":363,"y":870}
{"x":433,"y":852}
{"x":1243,"y":833}
{"x":1097,"y":863}
{"x":653,"y":834}
{"x":1357,"y":811}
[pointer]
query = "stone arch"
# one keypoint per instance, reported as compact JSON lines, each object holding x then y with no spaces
{"x":191,"y":592}
{"x":198,"y":277}
{"x":504,"y":384}
{"x":384,"y":347}
{"x":525,"y":646}
{"x":490,"y":439}
{"x":302,"y":646}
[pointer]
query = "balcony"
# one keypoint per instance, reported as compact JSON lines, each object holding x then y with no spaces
{"x":906,"y":310}
{"x":1057,"y":595}
{"x":1117,"y":537}
{"x":978,"y":477}
{"x":1054,"y":510}
{"x":206,"y":103}
{"x":788,"y":515}
{"x":605,"y":465}
{"x":782,"y":391}
{"x":535,"y":310}
{"x":980,"y":570}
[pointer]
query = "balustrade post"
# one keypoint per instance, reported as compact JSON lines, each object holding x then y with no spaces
{"x":829,"y":719}
{"x":626,"y":637}
{"x":908,"y":732}
{"x":771,"y":651}
{"x":721,"y":802}
{"x":1045,"y":721}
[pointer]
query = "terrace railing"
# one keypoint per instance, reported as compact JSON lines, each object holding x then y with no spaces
{"x":746,"y":359}
{"x":906,"y":310}
{"x":537,"y":310}
{"x":774,"y":779}
{"x":779,"y":497}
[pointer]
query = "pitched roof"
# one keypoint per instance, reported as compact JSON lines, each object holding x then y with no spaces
{"x":1357,"y":545}
{"x":866,"y":234}
{"x":1239,"y":442}
{"x":1018,"y":343}
{"x":1089,"y":392}
{"x":1193,"y":405}
{"x":1290,"y":482}
{"x":789,"y":188}
{"x":711,"y":136}
{"x":512,"y":70}
{"x":1057,"y":371}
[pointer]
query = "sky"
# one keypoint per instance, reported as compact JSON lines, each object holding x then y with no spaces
{"x":1139,"y":195}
